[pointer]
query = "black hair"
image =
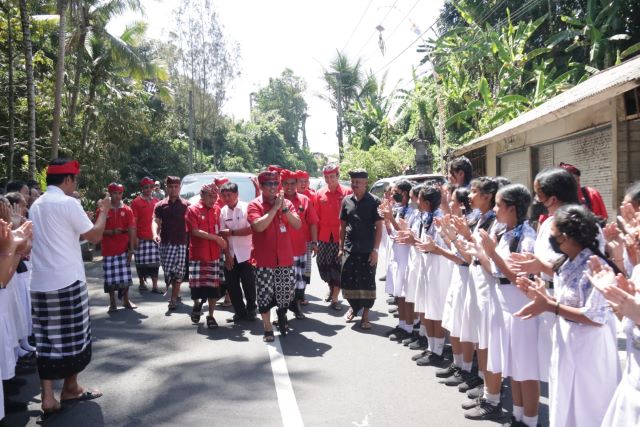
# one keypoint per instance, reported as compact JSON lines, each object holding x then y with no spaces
{"x":581,"y":225}
{"x":58,"y":178}
{"x":403,"y":185}
{"x":486,"y":185}
{"x":559,"y":183}
{"x":461,"y":195}
{"x":519,"y":196}
{"x":633,"y":192}
{"x":462,"y":164}
{"x":32,"y":183}
{"x":229,"y":186}
{"x":415,"y":190}
{"x":431,"y":194}
{"x":15,"y":186}
{"x":14,"y":198}
{"x":502,"y":181}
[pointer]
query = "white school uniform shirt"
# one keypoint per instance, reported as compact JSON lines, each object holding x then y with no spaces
{"x":527,"y":236}
{"x":58,"y":222}
{"x":236,"y":219}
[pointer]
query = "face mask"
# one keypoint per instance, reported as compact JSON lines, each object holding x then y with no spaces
{"x":555,"y":245}
{"x":397,"y":197}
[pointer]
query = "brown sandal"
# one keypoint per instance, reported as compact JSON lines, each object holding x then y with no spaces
{"x":268,"y":336}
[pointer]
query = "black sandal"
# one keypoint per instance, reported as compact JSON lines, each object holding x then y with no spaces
{"x":268,"y":336}
{"x":211,"y":322}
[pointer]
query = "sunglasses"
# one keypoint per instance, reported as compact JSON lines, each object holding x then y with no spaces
{"x":270,"y":183}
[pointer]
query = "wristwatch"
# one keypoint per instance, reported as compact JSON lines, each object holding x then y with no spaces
{"x":285,"y":209}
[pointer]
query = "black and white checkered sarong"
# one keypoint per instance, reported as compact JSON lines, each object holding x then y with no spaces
{"x":62,"y":328}
{"x":308,"y":265}
{"x":173,"y":259}
{"x":328,"y":262}
{"x":299,"y":264}
{"x":205,"y":273}
{"x":148,"y":254}
{"x":117,"y":272}
{"x":274,"y":287}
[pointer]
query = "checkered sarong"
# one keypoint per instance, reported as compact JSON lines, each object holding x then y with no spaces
{"x":147,"y":254}
{"x":205,"y":273}
{"x":328,"y":262}
{"x":274,"y":287}
{"x":117,"y":272}
{"x":173,"y":259}
{"x":308,"y":265}
{"x":299,"y":265}
{"x":62,"y":328}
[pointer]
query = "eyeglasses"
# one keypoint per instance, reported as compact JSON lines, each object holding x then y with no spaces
{"x":270,"y":183}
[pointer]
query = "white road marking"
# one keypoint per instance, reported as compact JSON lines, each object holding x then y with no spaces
{"x":289,"y":410}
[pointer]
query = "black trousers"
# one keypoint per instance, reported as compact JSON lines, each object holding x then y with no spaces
{"x":241,"y":272}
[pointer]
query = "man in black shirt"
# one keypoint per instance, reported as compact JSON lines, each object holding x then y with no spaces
{"x":360,"y":234}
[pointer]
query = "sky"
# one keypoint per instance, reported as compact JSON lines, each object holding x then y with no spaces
{"x":304,"y":35}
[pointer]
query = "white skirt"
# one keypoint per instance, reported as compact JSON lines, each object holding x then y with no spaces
{"x":438,"y":281}
{"x":584,"y":373}
{"x":8,"y":337}
{"x":414,"y":274}
{"x":470,"y":312}
{"x":487,"y":300}
{"x":397,"y":270}
{"x":517,"y":344}
{"x":420,"y":294}
{"x":624,"y":409}
{"x":454,"y":303}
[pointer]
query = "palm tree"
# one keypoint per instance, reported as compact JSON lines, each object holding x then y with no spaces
{"x":25,"y":22}
{"x":11,"y":89}
{"x":57,"y":106}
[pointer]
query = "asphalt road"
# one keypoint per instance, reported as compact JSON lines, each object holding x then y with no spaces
{"x":155,"y":368}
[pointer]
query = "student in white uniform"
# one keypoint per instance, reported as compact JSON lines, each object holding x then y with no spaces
{"x":584,"y":370}
{"x":515,"y":339}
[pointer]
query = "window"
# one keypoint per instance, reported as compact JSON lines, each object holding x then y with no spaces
{"x":478,"y":159}
{"x":632,"y":103}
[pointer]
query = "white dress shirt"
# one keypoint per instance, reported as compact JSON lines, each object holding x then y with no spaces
{"x":236,"y":219}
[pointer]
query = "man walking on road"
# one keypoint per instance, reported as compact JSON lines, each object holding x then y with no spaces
{"x":170,"y":232}
{"x":329,"y":200}
{"x":271,"y":217}
{"x":60,"y":302}
{"x":312,"y":238}
{"x":360,"y":234}
{"x":147,"y":253}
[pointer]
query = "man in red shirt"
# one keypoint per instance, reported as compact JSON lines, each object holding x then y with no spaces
{"x":170,"y":232}
{"x":118,"y":241}
{"x":299,"y":238}
{"x":329,"y":201}
{"x":311,"y":231}
{"x":205,"y":266}
{"x":147,"y":255}
{"x":588,"y":196}
{"x":272,"y":218}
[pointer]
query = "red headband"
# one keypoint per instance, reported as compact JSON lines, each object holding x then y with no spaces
{"x":274,"y":168}
{"x":209,"y":188}
{"x":172,"y":180}
{"x":287,"y":174}
{"x":70,"y":168}
{"x":302,"y":174}
{"x":146,"y":181}
{"x":220,"y":181}
{"x":114,"y":187}
{"x":570,"y":168}
{"x":327,"y":171}
{"x":268,"y":176}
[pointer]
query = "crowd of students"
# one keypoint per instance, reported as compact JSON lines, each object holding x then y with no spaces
{"x":535,"y":300}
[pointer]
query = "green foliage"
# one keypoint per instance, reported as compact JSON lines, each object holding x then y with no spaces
{"x":380,"y":160}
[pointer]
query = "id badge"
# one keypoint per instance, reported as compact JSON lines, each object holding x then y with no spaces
{"x":283,"y":228}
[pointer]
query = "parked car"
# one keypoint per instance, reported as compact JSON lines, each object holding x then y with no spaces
{"x":381,"y":185}
{"x":318,"y":183}
{"x":192,"y":183}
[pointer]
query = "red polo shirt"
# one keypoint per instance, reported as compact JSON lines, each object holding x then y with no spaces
{"x":123,"y":219}
{"x":313,"y":197}
{"x":172,"y":215}
{"x":200,"y":217}
{"x":306,"y":212}
{"x":143,"y":213}
{"x":329,"y":203}
{"x":272,"y":247}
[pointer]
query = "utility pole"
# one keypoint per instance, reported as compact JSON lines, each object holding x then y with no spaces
{"x":190,"y":131}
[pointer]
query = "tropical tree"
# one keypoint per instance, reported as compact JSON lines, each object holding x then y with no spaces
{"x":25,"y":21}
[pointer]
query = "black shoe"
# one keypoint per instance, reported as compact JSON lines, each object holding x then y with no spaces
{"x":470,"y":403}
{"x":383,"y":279}
{"x":472,"y":381}
{"x":410,"y":339}
{"x":392,"y":301}
{"x":420,"y":355}
{"x":430,"y":359}
{"x":393,"y":309}
{"x":476,"y":393}
{"x":399,"y":335}
{"x":447,"y":372}
{"x":458,"y":377}
{"x":236,"y":318}
{"x":484,"y":411}
{"x":11,"y":406}
{"x":392,"y":331}
{"x":514,"y":423}
{"x":282,"y":321}
{"x":396,"y":315}
{"x":420,"y":344}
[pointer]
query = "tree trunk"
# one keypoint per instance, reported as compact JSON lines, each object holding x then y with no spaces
{"x":78,"y":66}
{"x":88,"y":115}
{"x":31,"y":96}
{"x":11,"y":101}
{"x":57,"y":105}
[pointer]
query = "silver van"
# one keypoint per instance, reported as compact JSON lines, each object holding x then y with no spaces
{"x":192,"y":183}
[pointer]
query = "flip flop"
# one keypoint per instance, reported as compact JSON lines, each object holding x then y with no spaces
{"x":112,"y":308}
{"x":350,"y":316}
{"x":131,"y":306}
{"x":304,"y":302}
{"x":52,"y":414}
{"x":365,"y":325}
{"x":87,"y":395}
{"x":268,"y":336}
{"x":157,"y":291}
{"x":336,"y":306}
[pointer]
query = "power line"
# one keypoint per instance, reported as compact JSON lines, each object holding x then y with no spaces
{"x":374,"y":32}
{"x":405,"y":17}
{"x":357,"y":25}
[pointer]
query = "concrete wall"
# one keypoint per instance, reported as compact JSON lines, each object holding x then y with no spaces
{"x":628,"y":153}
